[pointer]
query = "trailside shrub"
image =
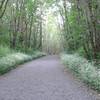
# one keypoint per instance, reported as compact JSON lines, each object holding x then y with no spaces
{"x":10,"y":61}
{"x":82,"y":67}
{"x":4,"y":50}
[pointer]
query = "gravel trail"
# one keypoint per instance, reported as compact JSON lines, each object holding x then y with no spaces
{"x":43,"y":79}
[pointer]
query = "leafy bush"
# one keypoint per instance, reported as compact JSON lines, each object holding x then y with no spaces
{"x":4,"y":50}
{"x":10,"y":61}
{"x":82,"y":67}
{"x":81,"y":51}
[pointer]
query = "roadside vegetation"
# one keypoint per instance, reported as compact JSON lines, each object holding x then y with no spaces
{"x":83,"y":68}
{"x":82,"y":40}
{"x":10,"y":59}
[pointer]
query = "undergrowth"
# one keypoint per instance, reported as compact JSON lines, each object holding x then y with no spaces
{"x":84,"y":69}
{"x":9,"y":59}
{"x":4,"y":50}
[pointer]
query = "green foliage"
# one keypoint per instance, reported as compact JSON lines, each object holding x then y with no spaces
{"x":84,"y":69}
{"x":81,"y":51}
{"x":4,"y":50}
{"x":11,"y":61}
{"x":9,"y":58}
{"x":4,"y":35}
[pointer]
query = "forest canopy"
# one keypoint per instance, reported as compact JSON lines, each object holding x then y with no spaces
{"x":53,"y":26}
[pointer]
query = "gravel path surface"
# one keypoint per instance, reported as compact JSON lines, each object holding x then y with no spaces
{"x":43,"y":79}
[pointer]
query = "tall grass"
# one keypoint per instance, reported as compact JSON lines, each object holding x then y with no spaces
{"x":84,"y":69}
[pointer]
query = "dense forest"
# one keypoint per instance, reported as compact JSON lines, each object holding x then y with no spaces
{"x":71,"y":26}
